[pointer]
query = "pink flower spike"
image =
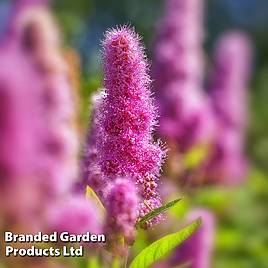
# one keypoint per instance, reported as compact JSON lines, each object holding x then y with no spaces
{"x":127,"y":115}
{"x":178,"y":70}
{"x":229,"y":89}
{"x":229,"y":94}
{"x":122,"y":209}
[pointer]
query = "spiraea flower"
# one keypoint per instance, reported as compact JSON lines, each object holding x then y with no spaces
{"x":230,"y":80}
{"x":185,"y":115}
{"x":20,"y":196}
{"x":196,"y":251}
{"x":128,"y":116}
{"x":19,"y":9}
{"x":229,"y":91}
{"x":122,"y":206}
{"x":228,"y":163}
{"x":40,"y":42}
{"x":91,"y":174}
{"x":76,"y":215}
{"x":38,"y":141}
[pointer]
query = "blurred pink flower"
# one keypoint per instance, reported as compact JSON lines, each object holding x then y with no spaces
{"x":122,"y":206}
{"x":76,"y":215}
{"x":58,"y":140}
{"x":230,"y":79}
{"x":228,"y":162}
{"x":39,"y":146}
{"x":91,"y":174}
{"x":197,"y":249}
{"x":20,"y":195}
{"x":229,"y":92}
{"x":178,"y":70}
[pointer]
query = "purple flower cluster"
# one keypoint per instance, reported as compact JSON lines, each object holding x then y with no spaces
{"x":231,"y":77}
{"x":58,"y":138}
{"x":18,"y":131}
{"x":229,"y":92}
{"x":122,"y":162}
{"x":38,"y":140}
{"x":75,"y":215}
{"x":91,"y":173}
{"x":186,"y":116}
{"x":191,"y":118}
{"x":127,"y":116}
{"x":122,"y":205}
{"x":21,"y":9}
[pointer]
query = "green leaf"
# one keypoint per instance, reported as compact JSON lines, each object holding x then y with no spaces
{"x":90,"y":194}
{"x":156,"y":212}
{"x":160,"y":248}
